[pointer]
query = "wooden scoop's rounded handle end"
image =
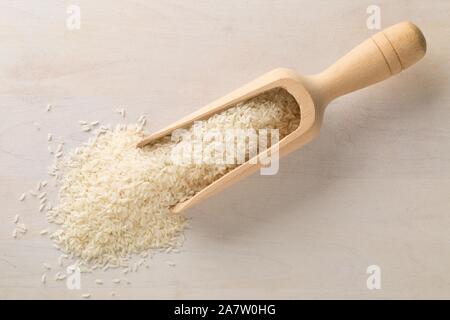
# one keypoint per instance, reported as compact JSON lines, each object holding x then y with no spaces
{"x":402,"y":45}
{"x":381,"y":56}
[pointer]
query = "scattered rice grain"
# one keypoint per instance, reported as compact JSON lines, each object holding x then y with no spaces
{"x":171,"y":263}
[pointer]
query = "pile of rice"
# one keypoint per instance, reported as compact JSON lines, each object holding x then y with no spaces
{"x":115,"y":199}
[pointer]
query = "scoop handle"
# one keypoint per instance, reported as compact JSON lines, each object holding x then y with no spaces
{"x":383,"y":55}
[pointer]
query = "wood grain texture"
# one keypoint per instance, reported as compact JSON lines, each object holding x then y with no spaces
{"x":373,"y":189}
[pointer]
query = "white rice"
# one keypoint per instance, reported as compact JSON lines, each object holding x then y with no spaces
{"x":171,"y":263}
{"x":22,"y":228}
{"x":115,"y":199}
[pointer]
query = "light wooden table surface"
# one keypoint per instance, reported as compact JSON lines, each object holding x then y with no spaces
{"x":374,"y":189}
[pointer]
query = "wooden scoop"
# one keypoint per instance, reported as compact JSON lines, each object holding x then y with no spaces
{"x":379,"y":57}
